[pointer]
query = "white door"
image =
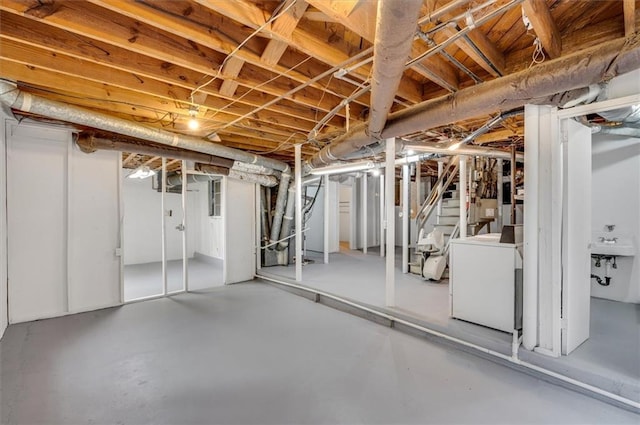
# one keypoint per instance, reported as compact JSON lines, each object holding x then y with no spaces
{"x":576,"y":238}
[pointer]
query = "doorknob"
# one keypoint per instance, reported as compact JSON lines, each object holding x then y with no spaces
{"x":180,"y":227}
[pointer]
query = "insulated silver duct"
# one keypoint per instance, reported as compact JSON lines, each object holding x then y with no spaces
{"x":14,"y":98}
{"x":287,"y":220}
{"x":281,"y":202}
{"x":544,"y":83}
{"x":395,"y":30}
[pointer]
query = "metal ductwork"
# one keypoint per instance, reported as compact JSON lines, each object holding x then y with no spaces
{"x":89,"y":142}
{"x":545,"y":83}
{"x":395,"y":30}
{"x":14,"y":98}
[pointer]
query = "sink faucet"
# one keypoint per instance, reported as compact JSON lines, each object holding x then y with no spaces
{"x":607,"y":240}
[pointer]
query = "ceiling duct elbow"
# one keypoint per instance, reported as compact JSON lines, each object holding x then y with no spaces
{"x":395,"y":30}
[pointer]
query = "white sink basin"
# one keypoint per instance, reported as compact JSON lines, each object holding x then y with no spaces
{"x":621,"y":246}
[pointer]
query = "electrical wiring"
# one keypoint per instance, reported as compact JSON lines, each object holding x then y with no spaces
{"x":273,"y":17}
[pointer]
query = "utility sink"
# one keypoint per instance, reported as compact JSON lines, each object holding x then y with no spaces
{"x":611,"y":245}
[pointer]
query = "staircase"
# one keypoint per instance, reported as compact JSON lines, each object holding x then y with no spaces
{"x":448,"y":221}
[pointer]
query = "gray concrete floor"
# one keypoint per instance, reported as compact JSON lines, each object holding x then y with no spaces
{"x":609,"y":359}
{"x":145,"y":280}
{"x":253,"y":354}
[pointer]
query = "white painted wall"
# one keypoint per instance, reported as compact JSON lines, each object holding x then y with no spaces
{"x":239,"y":216}
{"x":4,"y":318}
{"x":63,"y":224}
{"x":314,"y":236}
{"x":344,"y":208}
{"x":142,"y":222}
{"x":204,"y":231}
{"x":615,"y":197}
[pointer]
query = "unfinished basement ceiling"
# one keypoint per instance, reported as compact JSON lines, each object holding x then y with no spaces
{"x":264,"y":75}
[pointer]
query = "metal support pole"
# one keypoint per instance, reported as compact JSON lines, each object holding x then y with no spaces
{"x":326,"y":219}
{"x":185,"y":257}
{"x":406,"y":180}
{"x":499,"y":171}
{"x":462,"y":187}
{"x":390,"y":173}
{"x":164,"y":232}
{"x":382,"y":215}
{"x":513,"y":184}
{"x":418,"y":183}
{"x":259,"y":222}
{"x":365,"y":241}
{"x":440,"y":187}
{"x":298,"y":197}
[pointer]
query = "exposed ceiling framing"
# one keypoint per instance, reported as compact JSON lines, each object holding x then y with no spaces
{"x":263,"y":75}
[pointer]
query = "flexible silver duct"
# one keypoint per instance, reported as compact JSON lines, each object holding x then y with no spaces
{"x":281,"y":202}
{"x":544,"y":83}
{"x":287,"y":219}
{"x":396,"y":25}
{"x":14,"y":98}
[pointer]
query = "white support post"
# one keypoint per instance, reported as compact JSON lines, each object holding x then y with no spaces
{"x":365,"y":241}
{"x":406,"y":180}
{"x":418,"y":185}
{"x":258,"y":213}
{"x":390,"y":173}
{"x":382,"y":215}
{"x":326,"y":219}
{"x":462,"y":187}
{"x":298,"y":196}
{"x":185,"y":258}
{"x":499,"y":171}
{"x":163,"y":221}
{"x":440,"y":187}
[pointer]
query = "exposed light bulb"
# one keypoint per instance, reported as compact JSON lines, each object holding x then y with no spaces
{"x":410,"y":152}
{"x":193,"y":124}
{"x":375,"y":172}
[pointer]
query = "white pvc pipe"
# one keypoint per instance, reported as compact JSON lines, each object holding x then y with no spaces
{"x":258,"y":213}
{"x":326,"y":219}
{"x":405,"y":218}
{"x":298,"y":214}
{"x":462,"y":188}
{"x":382,"y":215}
{"x":365,"y":241}
{"x":390,"y":173}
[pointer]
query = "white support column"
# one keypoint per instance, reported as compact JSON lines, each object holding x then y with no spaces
{"x":406,"y":180}
{"x":326,"y":219}
{"x":382,"y":215}
{"x":418,"y":187}
{"x":462,"y":187}
{"x":365,"y":241}
{"x":440,"y":187}
{"x":164,"y":232}
{"x":390,"y":173}
{"x":499,"y":171}
{"x":298,"y":196}
{"x":258,"y":214}
{"x":185,"y":257}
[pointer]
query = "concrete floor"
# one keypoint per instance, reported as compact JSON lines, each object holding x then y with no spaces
{"x":607,"y":360}
{"x":253,"y":354}
{"x":145,"y":280}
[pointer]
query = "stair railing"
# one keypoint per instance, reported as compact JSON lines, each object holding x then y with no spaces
{"x":449,"y":173}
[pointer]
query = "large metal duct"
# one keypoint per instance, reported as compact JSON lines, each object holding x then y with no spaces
{"x":543,"y":84}
{"x":14,"y":98}
{"x":395,"y":30}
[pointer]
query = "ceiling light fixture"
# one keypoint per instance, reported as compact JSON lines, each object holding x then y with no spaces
{"x":141,"y":173}
{"x":454,"y":146}
{"x":193,"y":122}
